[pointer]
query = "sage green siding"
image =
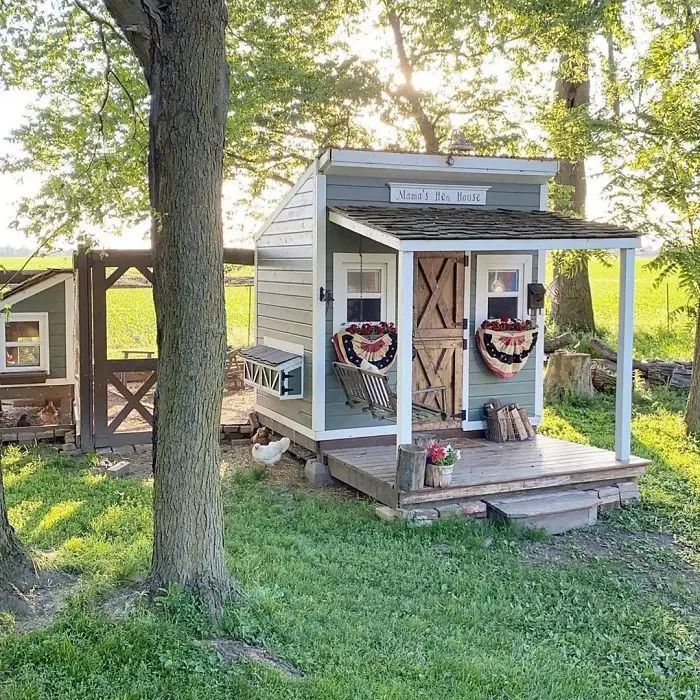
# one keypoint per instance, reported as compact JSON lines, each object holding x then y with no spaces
{"x":284,"y":291}
{"x":52,"y":301}
{"x":483,"y":384}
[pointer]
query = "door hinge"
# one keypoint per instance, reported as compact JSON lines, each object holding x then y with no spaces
{"x":465,"y":324}
{"x":463,"y":415}
{"x":465,"y":343}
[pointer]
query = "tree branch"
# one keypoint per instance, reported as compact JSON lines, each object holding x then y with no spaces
{"x":133,"y":17}
{"x":407,"y":90}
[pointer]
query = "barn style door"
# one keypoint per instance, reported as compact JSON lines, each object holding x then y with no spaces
{"x":438,"y":317}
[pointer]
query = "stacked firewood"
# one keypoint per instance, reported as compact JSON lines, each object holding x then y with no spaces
{"x":655,"y":372}
{"x":507,"y":422}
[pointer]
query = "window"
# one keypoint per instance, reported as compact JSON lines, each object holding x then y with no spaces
{"x":502,"y":286}
{"x":363,"y":288}
{"x":24,"y":341}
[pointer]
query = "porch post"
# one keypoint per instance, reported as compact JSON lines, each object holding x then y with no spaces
{"x":404,"y":371}
{"x":625,"y":335}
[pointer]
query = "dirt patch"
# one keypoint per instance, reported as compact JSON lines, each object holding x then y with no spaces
{"x":287,"y":473}
{"x":36,"y":599}
{"x":655,"y":562}
{"x":230,"y":651}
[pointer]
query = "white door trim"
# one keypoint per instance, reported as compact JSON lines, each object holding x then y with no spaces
{"x":468,"y":262}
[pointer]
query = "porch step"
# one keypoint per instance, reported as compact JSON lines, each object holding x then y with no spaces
{"x":555,"y":512}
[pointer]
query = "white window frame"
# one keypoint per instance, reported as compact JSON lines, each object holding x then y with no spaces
{"x":342,"y":263}
{"x":43,"y":319}
{"x":490,"y":263}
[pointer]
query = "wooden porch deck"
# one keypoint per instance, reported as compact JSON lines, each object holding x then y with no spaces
{"x":486,"y":469}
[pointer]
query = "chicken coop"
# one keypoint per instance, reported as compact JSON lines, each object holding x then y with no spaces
{"x":37,"y":365}
{"x":408,"y":289}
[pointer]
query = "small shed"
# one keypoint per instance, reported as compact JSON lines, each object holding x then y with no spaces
{"x":420,"y":250}
{"x":37,"y":364}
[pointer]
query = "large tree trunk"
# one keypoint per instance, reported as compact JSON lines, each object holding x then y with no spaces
{"x":189,"y":103}
{"x":692,"y":411}
{"x":572,"y":307}
{"x":13,"y":558}
{"x":186,"y":70}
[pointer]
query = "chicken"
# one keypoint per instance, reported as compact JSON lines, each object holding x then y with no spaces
{"x":23,"y":421}
{"x":262,"y":436}
{"x":49,"y":414}
{"x":272,"y":453}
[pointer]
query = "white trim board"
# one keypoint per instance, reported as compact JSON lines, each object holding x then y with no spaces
{"x":466,"y":335}
{"x":70,"y":302}
{"x":530,"y":170}
{"x":512,"y":244}
{"x":539,"y":350}
{"x":319,"y":309}
{"x":366,"y":231}
{"x":36,"y":289}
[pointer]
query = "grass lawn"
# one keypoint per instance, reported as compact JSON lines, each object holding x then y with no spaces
{"x":374,"y":610}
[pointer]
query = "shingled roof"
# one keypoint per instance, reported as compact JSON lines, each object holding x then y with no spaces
{"x":463,"y":223}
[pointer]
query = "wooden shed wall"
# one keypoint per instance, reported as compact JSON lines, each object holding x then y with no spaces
{"x":53,"y":301}
{"x":284,"y":292}
{"x":483,"y":384}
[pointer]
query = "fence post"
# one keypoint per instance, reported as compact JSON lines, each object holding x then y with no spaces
{"x":85,"y":381}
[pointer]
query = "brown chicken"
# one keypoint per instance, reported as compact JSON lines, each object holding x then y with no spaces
{"x":262,"y":436}
{"x":49,"y":414}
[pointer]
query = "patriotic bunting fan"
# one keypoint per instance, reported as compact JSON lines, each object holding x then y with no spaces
{"x":379,"y":350}
{"x":503,"y":350}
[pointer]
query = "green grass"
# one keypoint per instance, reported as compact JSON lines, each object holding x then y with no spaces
{"x":369,"y":609}
{"x":658,"y":333}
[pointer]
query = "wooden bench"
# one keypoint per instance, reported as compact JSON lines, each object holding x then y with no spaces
{"x":371,"y":390}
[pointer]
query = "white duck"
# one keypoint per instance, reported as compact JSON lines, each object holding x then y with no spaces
{"x":271,"y":453}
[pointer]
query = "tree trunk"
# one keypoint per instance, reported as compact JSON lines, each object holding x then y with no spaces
{"x":181,"y":47}
{"x":692,"y":411}
{"x":13,"y":558}
{"x":573,"y":306}
{"x":568,"y":375}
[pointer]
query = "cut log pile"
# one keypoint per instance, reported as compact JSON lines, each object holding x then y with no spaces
{"x":603,"y":369}
{"x":507,"y":422}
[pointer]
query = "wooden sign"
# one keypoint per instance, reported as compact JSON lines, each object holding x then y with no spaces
{"x":452,"y":195}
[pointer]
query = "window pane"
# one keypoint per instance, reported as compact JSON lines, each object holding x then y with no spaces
{"x":23,"y":356}
{"x":22,"y":331}
{"x":360,"y":310}
{"x":364,"y":281}
{"x":503,"y":306}
{"x":503,"y":281}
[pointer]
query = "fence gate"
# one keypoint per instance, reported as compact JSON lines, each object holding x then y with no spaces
{"x":116,"y":393}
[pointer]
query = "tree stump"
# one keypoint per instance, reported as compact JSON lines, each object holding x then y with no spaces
{"x":568,"y":375}
{"x":410,"y":468}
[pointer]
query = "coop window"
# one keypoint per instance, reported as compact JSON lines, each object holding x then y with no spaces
{"x":501,"y":285}
{"x":24,"y":341}
{"x":364,"y":288}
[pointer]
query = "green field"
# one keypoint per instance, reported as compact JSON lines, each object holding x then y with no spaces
{"x":37,"y":263}
{"x":131,"y":319}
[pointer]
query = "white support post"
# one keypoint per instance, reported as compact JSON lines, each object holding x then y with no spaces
{"x":404,"y":372}
{"x":625,"y":336}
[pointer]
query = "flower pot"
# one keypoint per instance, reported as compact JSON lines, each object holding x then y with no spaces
{"x":438,"y":476}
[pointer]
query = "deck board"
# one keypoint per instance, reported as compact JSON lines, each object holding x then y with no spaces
{"x":485,"y":468}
